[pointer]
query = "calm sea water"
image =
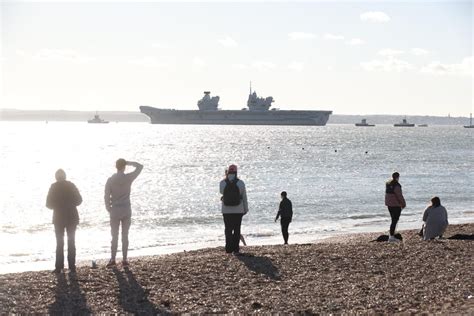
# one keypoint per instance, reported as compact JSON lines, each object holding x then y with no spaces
{"x":334,"y":175}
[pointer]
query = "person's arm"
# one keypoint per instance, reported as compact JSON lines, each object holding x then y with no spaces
{"x":107,"y":195}
{"x":222,"y":186}
{"x":425,"y":214}
{"x":77,"y":196}
{"x":138,"y":169}
{"x":291,"y":210}
{"x":279,"y":212}
{"x":244,"y":199}
{"x":399,"y":195}
{"x":49,"y":199}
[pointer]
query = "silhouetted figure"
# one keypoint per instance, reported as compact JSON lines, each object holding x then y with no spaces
{"x":234,"y":206}
{"x":285,"y":211}
{"x":117,"y":203}
{"x":436,"y":220}
{"x":63,"y":198}
{"x":395,"y":202}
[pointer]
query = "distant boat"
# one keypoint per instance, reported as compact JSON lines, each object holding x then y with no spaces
{"x":422,"y":125}
{"x":470,"y":122}
{"x":363,"y":122}
{"x":404,"y":123}
{"x":97,"y":120}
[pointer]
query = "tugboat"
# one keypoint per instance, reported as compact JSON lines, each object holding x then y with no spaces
{"x":404,"y":123}
{"x":470,"y":123}
{"x":97,"y":120}
{"x":363,"y":122}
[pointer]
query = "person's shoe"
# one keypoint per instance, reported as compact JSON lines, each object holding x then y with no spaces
{"x":57,"y":271}
{"x":392,"y":238}
{"x":111,"y":264}
{"x":125,"y":263}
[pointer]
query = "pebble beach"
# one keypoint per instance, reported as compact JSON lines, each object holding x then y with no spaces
{"x":346,"y":274}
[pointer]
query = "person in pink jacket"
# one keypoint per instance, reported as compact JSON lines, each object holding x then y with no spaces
{"x":395,"y":202}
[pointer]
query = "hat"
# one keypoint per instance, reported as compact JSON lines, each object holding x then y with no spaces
{"x":232,"y":169}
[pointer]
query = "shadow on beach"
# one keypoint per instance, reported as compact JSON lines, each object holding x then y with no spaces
{"x":69,"y":299}
{"x":132,"y":297}
{"x":260,"y":265}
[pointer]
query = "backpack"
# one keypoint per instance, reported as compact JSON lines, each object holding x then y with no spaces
{"x":231,"y":193}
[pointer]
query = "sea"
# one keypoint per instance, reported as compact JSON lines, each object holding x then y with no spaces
{"x":334,"y":175}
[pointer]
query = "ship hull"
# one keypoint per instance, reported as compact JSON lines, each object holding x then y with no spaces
{"x":164,"y":116}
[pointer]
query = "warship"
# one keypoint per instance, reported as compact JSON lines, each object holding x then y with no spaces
{"x":257,"y":112}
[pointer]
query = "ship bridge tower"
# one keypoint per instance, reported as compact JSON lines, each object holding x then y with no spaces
{"x":255,"y":103}
{"x":208,"y":103}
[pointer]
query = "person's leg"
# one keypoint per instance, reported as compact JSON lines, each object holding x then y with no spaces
{"x":71,"y":246}
{"x":395,"y":215}
{"x":59,"y":231}
{"x":126,"y":222}
{"x":284,"y":228}
{"x":228,"y":233}
{"x":237,"y":222}
{"x":114,"y":229}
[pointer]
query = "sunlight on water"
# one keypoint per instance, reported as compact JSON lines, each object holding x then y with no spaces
{"x":176,"y":201}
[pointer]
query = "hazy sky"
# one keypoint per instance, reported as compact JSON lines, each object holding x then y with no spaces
{"x":350,"y":57}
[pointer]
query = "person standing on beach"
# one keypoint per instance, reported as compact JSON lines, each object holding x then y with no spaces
{"x":63,"y":198}
{"x":234,"y":206}
{"x":117,"y":203}
{"x":286,"y":212}
{"x":395,"y":202}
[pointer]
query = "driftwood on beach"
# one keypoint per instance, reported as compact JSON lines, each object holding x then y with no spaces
{"x":347,"y":274}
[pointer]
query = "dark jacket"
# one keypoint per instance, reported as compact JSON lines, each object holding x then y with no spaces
{"x":63,"y":197}
{"x":285,"y":210}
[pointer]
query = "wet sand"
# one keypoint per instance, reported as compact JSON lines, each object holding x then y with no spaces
{"x":346,"y":274}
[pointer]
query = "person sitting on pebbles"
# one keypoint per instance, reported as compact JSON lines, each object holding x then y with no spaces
{"x":435,"y":220}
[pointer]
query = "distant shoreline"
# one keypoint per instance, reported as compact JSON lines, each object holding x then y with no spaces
{"x":346,"y":274}
{"x":129,"y":116}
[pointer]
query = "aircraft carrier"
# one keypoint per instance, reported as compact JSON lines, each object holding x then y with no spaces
{"x":258,"y":112}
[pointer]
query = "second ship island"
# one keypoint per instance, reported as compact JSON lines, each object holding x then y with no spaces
{"x":257,"y":113}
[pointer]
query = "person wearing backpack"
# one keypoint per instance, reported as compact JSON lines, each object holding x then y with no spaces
{"x":234,"y":206}
{"x":286,"y":212}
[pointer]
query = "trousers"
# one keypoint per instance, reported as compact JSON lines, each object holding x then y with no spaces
{"x":232,"y":224}
{"x":395,"y":212}
{"x":71,"y":245}
{"x":115,"y":224}
{"x":285,"y":222}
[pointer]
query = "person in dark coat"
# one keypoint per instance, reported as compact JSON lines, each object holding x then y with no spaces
{"x":63,"y":198}
{"x":285,"y":211}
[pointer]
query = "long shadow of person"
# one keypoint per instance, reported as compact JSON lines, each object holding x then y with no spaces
{"x":260,"y":265}
{"x":69,"y":298}
{"x":132,"y":297}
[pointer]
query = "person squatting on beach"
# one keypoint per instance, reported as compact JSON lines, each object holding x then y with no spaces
{"x":395,"y":202}
{"x":285,"y":211}
{"x":234,"y":206}
{"x":435,"y":220}
{"x":63,"y":198}
{"x":117,"y":203}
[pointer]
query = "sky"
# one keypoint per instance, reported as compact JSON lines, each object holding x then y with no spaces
{"x":373,"y":57}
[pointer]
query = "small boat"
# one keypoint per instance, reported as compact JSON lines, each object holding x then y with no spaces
{"x":470,"y":123}
{"x":422,"y":125}
{"x":363,"y":122}
{"x":404,"y":123}
{"x":97,"y":120}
